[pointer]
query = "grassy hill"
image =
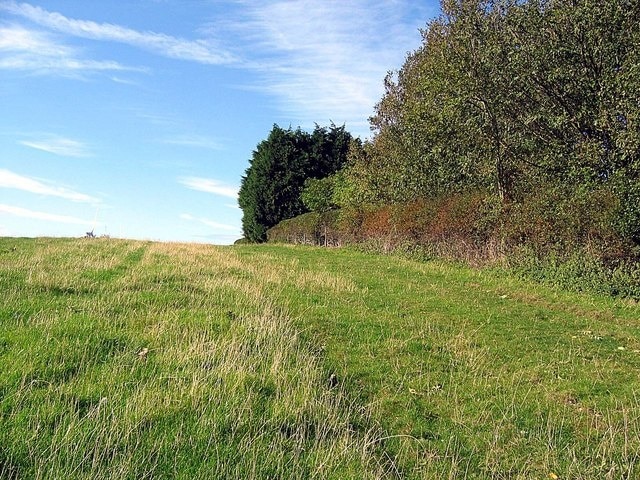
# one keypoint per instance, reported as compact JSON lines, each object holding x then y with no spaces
{"x":123,"y":359}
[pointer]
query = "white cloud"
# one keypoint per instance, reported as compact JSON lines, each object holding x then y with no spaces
{"x":156,"y":119}
{"x":210,"y":223}
{"x":56,"y":65}
{"x":49,"y":217}
{"x":59,"y":146}
{"x":201,"y":51}
{"x":40,"y":52}
{"x":15,"y":38}
{"x":327,"y":60}
{"x":209,"y":185}
{"x":12,"y":180}
{"x":195,"y":141}
{"x":322,"y":60}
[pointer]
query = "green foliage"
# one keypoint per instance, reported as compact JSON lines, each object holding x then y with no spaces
{"x":359,"y":183}
{"x":627,"y":222}
{"x":301,"y":229}
{"x":317,"y":195}
{"x":556,"y":228}
{"x":580,"y":271}
{"x":271,"y":188}
{"x":311,"y":228}
{"x":514,"y":127}
{"x":512,"y":98}
{"x":560,"y":220}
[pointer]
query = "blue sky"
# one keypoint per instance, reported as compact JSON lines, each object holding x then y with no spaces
{"x":137,"y":118}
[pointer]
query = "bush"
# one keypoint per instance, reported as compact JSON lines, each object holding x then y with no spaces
{"x":308,"y":229}
{"x":317,"y":194}
{"x":560,"y":222}
{"x":302,"y":229}
{"x":581,"y":271}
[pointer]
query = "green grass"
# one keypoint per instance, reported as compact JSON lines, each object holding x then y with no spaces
{"x":124,"y":359}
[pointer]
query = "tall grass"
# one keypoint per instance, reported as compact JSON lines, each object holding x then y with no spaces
{"x":126,"y":359}
{"x":129,"y":360}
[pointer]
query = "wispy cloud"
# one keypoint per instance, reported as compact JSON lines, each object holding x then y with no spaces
{"x":124,"y":81}
{"x":327,"y":60}
{"x":202,"y":50}
{"x":15,"y":38}
{"x":65,"y":147}
{"x":15,"y":181}
{"x":49,"y":217}
{"x":209,"y":185}
{"x":210,"y":223}
{"x":195,"y":141}
{"x":158,"y":119}
{"x":322,"y":60}
{"x":40,"y":52}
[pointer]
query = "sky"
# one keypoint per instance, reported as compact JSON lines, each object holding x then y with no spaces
{"x":137,"y":118}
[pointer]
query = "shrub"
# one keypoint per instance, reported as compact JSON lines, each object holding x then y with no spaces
{"x":302,"y":229}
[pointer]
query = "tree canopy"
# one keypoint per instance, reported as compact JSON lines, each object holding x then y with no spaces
{"x":511,"y":96}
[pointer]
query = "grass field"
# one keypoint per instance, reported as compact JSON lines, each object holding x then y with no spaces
{"x":122,"y":359}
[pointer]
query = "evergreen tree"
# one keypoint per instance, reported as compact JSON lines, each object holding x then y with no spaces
{"x":271,"y":188}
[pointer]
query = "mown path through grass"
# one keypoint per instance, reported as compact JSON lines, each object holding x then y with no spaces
{"x":144,"y":360}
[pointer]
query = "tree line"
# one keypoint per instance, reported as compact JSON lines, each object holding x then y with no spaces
{"x":531,"y":103}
